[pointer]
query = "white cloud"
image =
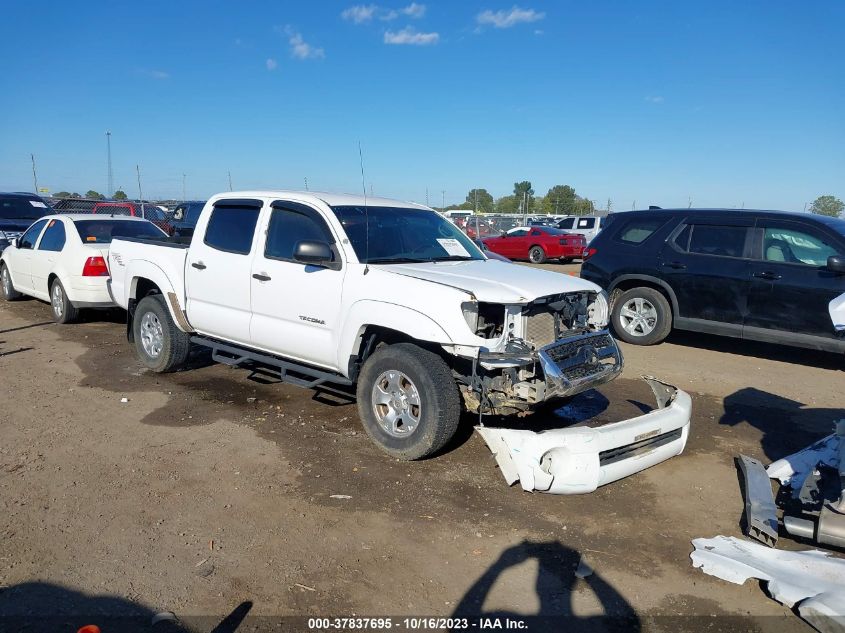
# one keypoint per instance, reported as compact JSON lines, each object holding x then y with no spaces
{"x":272,"y":64}
{"x":655,"y":99}
{"x":364,"y":13}
{"x":505,"y":19}
{"x":410,"y":36}
{"x":299,"y":48}
{"x":359,"y":13}
{"x":414,"y":10}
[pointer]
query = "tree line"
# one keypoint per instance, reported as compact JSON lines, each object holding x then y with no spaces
{"x":92,"y":195}
{"x":559,"y":200}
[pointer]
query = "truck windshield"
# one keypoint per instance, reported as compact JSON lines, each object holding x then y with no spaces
{"x":104,"y":231}
{"x":400,"y":235}
{"x":22,"y":208}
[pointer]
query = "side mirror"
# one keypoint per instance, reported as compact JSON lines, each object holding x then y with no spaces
{"x":313,"y":253}
{"x":836,"y":263}
{"x":13,"y":242}
{"x":504,"y":233}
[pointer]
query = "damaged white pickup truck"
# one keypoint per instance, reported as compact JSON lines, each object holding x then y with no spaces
{"x":390,"y":296}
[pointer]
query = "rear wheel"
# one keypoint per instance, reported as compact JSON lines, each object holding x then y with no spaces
{"x":9,"y":292}
{"x":536,"y":255}
{"x":63,"y":310}
{"x":641,"y":316}
{"x":408,"y":401}
{"x":160,"y":345}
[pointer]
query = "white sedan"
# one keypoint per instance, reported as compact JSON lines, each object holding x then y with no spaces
{"x":62,"y":259}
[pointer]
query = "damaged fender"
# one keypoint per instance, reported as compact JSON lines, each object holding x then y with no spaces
{"x":580,"y":459}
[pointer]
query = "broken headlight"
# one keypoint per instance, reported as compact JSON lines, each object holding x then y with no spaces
{"x":470,"y":310}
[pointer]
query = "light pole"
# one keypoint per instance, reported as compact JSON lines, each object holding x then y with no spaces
{"x":110,"y":186}
{"x":34,"y":177}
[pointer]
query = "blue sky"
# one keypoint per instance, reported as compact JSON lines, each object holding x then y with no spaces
{"x":723,"y":103}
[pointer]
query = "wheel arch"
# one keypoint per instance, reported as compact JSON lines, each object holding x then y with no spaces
{"x":627,"y":282}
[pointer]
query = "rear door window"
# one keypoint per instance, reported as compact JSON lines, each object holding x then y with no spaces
{"x":54,"y":237}
{"x":725,"y":241}
{"x":566,"y":223}
{"x":232,"y":228}
{"x":586,"y":223}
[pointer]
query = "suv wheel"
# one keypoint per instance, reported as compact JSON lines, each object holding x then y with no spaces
{"x":9,"y":292}
{"x":641,"y":316}
{"x":537,"y":255}
{"x":408,"y":401}
{"x":160,"y":345}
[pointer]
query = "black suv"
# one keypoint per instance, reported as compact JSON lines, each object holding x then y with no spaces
{"x":17,"y":212}
{"x":760,"y":275}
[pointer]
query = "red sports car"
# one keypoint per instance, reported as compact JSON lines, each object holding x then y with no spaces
{"x":537,"y":244}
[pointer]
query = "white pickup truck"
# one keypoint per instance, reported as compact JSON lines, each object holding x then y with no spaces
{"x":386,"y":295}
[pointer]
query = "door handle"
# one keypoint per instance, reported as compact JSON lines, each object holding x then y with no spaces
{"x":199,"y":265}
{"x":675,"y":265}
{"x":767,"y":274}
{"x":262,"y":277}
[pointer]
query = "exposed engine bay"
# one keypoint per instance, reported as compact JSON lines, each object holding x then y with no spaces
{"x":555,"y":346}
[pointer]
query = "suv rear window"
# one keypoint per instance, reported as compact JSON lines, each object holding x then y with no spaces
{"x":638,"y":231}
{"x":15,"y":208}
{"x":726,"y":241}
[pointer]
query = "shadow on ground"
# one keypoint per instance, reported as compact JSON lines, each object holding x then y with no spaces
{"x":554,"y":586}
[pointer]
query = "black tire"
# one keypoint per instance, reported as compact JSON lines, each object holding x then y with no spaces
{"x":174,"y":345}
{"x":439,"y":408}
{"x":63,"y":310}
{"x":566,"y":260}
{"x":536,"y":255}
{"x":9,"y":292}
{"x":647,"y":333}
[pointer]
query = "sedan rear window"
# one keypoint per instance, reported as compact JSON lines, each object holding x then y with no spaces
{"x":104,"y":231}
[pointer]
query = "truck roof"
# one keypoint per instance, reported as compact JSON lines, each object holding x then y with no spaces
{"x":331,"y":199}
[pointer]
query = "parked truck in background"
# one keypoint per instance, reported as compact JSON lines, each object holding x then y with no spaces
{"x":385,"y":295}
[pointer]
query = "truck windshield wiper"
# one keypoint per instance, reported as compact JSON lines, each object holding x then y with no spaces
{"x":397,"y":260}
{"x":453,"y":258}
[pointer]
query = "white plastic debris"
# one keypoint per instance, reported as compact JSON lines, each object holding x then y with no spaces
{"x":340,"y":497}
{"x":124,"y":400}
{"x":583,"y":570}
{"x":794,"y":469}
{"x":812,"y":579}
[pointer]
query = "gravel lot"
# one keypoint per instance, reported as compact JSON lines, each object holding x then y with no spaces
{"x":209,"y":487}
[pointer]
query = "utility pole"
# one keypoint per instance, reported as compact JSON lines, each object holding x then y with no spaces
{"x":428,"y":205}
{"x":184,"y":197}
{"x":306,"y":183}
{"x":476,"y":204}
{"x":230,"y":180}
{"x":140,"y":194}
{"x":110,"y":185}
{"x":443,"y":191}
{"x":34,"y":177}
{"x":689,"y":206}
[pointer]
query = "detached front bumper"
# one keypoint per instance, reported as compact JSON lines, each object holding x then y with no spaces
{"x":580,"y":459}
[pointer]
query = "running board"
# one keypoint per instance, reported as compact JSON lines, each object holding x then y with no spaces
{"x":290,"y":372}
{"x":760,"y":513}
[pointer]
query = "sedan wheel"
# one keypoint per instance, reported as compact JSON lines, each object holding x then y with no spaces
{"x":537,"y":255}
{"x":8,"y":288}
{"x":57,"y":300}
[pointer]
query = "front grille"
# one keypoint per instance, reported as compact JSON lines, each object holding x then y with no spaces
{"x":565,"y":351}
{"x":614,"y":455}
{"x":540,"y":329}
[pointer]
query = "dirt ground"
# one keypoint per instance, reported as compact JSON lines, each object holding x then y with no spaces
{"x":198,"y":491}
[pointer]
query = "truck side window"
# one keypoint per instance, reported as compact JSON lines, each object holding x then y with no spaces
{"x":231,"y":229}
{"x":287,"y":228}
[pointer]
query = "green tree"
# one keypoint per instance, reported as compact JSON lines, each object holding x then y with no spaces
{"x":483,"y":198}
{"x":828,"y":205}
{"x":507,"y":204}
{"x":120,"y":195}
{"x":63,"y":194}
{"x":75,"y":195}
{"x":561,"y":200}
{"x":522,"y":191}
{"x":94,"y":195}
{"x":583,"y":207}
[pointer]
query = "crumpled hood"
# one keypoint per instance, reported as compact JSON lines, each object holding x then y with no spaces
{"x":493,"y":281}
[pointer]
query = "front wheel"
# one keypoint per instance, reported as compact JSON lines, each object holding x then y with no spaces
{"x":63,"y":310}
{"x":408,"y":401}
{"x":9,"y":292}
{"x":160,"y":345}
{"x":641,"y":316}
{"x":537,"y":255}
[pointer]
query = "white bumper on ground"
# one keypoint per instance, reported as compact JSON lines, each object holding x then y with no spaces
{"x":580,"y":459}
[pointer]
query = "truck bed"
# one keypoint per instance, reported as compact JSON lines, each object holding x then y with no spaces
{"x":160,"y":260}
